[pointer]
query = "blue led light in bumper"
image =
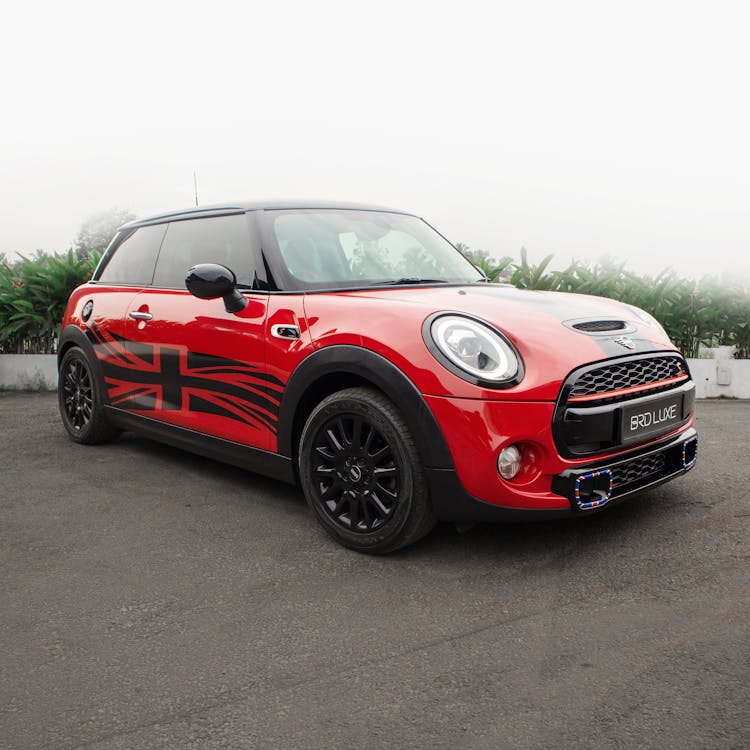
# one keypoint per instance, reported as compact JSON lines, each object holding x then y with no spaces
{"x":689,"y":452}
{"x":601,"y":500}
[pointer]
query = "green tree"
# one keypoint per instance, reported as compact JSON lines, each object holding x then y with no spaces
{"x":97,"y":231}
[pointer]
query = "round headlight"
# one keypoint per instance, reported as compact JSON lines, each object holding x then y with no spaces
{"x":474,"y":348}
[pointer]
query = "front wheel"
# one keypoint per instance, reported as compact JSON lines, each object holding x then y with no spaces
{"x":361,"y":473}
{"x":80,"y":401}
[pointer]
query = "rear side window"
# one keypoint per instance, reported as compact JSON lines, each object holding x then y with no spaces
{"x":220,"y":239}
{"x":134,"y":258}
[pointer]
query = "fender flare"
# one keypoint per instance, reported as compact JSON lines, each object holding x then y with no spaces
{"x":73,"y":335}
{"x":384,"y":375}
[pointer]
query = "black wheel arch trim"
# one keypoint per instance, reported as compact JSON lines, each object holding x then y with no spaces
{"x":75,"y":336}
{"x":384,"y":375}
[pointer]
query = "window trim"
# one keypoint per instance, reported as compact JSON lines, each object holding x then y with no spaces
{"x":259,"y":262}
{"x":121,"y":236}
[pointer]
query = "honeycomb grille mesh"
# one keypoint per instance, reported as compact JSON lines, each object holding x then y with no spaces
{"x":638,"y":469}
{"x":628,"y":374}
{"x":596,"y":326}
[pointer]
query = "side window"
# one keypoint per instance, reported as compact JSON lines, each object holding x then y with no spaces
{"x":134,"y":258}
{"x":221,"y":239}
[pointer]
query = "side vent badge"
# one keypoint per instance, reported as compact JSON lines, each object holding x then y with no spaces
{"x":87,"y":310}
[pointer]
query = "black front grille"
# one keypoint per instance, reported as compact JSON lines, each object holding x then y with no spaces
{"x":598,"y":326}
{"x":636,"y":470}
{"x":621,"y":375}
{"x":589,"y":411}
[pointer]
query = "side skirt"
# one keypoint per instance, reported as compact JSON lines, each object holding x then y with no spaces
{"x":245,"y":457}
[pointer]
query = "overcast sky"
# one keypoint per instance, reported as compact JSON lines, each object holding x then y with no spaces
{"x":580,"y":129}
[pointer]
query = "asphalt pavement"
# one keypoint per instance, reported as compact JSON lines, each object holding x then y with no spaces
{"x":154,"y":599}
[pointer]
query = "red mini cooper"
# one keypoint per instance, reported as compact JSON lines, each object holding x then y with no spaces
{"x":354,"y":350}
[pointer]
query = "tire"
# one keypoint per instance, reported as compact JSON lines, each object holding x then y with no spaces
{"x":361,"y":473}
{"x":79,"y":398}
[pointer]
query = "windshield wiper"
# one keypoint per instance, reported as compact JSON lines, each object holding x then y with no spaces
{"x":409,"y":280}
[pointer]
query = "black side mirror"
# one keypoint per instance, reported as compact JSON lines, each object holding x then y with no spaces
{"x":211,"y":281}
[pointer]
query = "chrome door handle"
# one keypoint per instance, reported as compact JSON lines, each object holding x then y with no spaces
{"x":285,"y":332}
{"x":140,"y":315}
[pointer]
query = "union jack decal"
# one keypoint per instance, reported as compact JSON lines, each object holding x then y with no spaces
{"x":147,"y":377}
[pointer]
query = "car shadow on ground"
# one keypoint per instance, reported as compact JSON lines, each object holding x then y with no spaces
{"x":510,"y":541}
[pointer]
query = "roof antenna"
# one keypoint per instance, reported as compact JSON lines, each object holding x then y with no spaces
{"x":195,"y":186}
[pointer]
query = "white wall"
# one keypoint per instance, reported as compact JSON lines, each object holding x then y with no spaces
{"x":734,"y":374}
{"x":28,"y":372}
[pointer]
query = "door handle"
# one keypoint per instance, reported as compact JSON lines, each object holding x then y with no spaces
{"x":137,"y":315}
{"x":285,"y":332}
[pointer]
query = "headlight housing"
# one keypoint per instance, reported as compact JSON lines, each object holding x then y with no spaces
{"x":473,"y":350}
{"x":648,"y":319}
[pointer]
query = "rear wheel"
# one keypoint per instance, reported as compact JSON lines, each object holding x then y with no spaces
{"x":80,"y":400}
{"x":361,"y":473}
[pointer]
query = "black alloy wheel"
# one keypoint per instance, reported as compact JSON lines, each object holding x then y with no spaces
{"x":361,"y":472}
{"x":79,"y":400}
{"x":356,"y":474}
{"x":77,"y":394}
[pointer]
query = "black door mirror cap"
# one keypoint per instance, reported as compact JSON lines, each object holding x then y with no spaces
{"x":211,"y":281}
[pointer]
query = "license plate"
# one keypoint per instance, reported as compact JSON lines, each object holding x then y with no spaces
{"x":644,"y":420}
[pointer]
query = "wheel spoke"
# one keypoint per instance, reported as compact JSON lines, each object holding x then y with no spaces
{"x":340,"y":503}
{"x":356,"y":433}
{"x":332,"y":489}
{"x":354,"y":515}
{"x":368,"y":439}
{"x":377,"y":503}
{"x":323,"y":451}
{"x":387,"y":492}
{"x":366,"y":517}
{"x":342,"y":432}
{"x":381,"y":454}
{"x":333,"y":440}
{"x":388,"y":471}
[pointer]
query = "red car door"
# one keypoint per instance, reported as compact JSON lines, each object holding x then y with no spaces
{"x":128,"y":267}
{"x":194,"y":364}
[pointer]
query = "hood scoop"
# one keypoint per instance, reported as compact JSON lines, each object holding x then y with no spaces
{"x":595,"y":326}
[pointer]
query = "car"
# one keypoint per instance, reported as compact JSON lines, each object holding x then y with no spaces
{"x":354,"y":350}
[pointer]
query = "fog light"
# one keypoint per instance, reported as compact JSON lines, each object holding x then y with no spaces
{"x":509,"y":462}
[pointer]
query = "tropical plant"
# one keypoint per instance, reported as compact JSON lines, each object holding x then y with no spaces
{"x":33,"y":295}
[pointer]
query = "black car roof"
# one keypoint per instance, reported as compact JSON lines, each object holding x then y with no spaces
{"x":267,"y":205}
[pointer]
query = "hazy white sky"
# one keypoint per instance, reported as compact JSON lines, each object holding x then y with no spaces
{"x":581,"y":129}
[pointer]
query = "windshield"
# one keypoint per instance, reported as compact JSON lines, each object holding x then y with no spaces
{"x":335,"y":248}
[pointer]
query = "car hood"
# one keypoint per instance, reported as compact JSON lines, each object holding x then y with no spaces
{"x":540,"y":325}
{"x":528,"y":316}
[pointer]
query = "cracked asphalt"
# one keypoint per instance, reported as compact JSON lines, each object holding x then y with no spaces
{"x":153,"y":599}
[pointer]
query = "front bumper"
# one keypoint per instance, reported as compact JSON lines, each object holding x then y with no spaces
{"x":587,"y":489}
{"x":593,"y":487}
